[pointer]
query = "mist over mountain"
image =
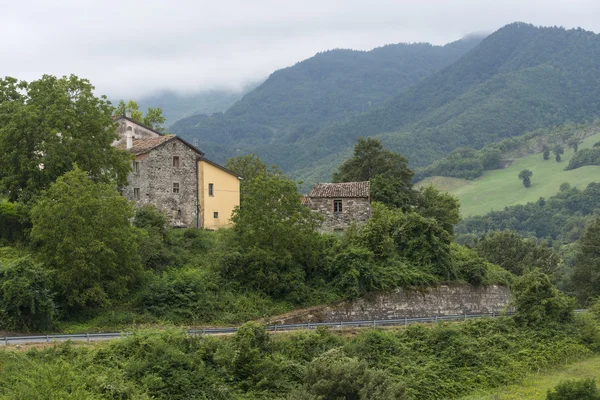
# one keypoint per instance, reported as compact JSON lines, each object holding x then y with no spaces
{"x":518,"y":79}
{"x":295,"y":103}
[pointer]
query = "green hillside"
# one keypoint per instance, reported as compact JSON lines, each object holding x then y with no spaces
{"x":518,"y":79}
{"x":294,"y":103}
{"x":501,"y":188}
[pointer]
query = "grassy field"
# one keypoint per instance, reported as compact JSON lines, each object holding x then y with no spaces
{"x":536,"y":386}
{"x":500,"y":188}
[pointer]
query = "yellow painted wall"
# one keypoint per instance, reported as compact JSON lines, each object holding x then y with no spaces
{"x":226,"y":195}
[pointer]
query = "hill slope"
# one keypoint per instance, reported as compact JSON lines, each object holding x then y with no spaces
{"x":518,"y":79}
{"x":295,"y":102}
{"x":502,"y":188}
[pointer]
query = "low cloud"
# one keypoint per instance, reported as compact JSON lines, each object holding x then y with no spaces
{"x":134,"y":48}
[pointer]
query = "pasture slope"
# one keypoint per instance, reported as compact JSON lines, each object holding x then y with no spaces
{"x":536,"y":386}
{"x":502,"y":188}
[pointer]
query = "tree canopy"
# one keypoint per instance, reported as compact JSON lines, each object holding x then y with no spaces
{"x":48,"y":125}
{"x":83,"y":232}
{"x":153,"y":117}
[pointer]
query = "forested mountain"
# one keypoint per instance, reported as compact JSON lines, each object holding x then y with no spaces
{"x":518,"y":79}
{"x":295,"y":103}
{"x":176,"y":106}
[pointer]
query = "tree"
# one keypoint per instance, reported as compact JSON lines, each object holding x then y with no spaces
{"x":538,"y":302}
{"x":249,"y":167}
{"x":26,"y":298}
{"x":517,"y":255}
{"x":83,"y":232}
{"x":391,"y":179}
{"x":153,"y":117}
{"x":48,"y":125}
{"x":586,"y":274}
{"x":277,"y":238}
{"x":558,"y":150}
{"x":546,"y":152}
{"x":443,"y":207}
{"x":574,"y":143}
{"x":525,"y":176}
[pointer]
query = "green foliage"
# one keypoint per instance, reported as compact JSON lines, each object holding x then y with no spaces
{"x":546,"y":152}
{"x":388,"y":172}
{"x":277,"y":237}
{"x":574,"y":143}
{"x":584,"y":157}
{"x":250,"y":167}
{"x":584,"y":389}
{"x":443,"y":207}
{"x":83,"y":233}
{"x":558,"y":150}
{"x":561,"y":218}
{"x":517,"y":255}
{"x":26,"y":299}
{"x":49,"y":125}
{"x":525,"y":176}
{"x":13,"y":222}
{"x":538,"y":302}
{"x":337,"y":376}
{"x":153,"y":118}
{"x":586,"y":275}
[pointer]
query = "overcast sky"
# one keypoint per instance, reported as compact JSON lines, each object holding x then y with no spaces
{"x":130,"y":48}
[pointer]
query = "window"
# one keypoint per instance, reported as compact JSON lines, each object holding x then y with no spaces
{"x":337,"y":206}
{"x":136,"y":193}
{"x":136,"y":167}
{"x":175,"y":187}
{"x":176,"y":161}
{"x":179,"y":214}
{"x":216,"y":214}
{"x":211,"y":189}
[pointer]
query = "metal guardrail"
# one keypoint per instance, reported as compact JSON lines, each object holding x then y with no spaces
{"x":270,"y":328}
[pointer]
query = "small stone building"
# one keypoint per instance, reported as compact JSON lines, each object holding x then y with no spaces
{"x":177,"y":178}
{"x":340,"y":203}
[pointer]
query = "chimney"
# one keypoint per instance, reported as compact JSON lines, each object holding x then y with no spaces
{"x":128,"y":112}
{"x":129,"y":140}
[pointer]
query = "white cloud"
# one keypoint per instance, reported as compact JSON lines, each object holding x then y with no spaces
{"x":129,"y":48}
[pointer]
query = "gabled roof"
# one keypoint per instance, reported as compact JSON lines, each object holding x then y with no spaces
{"x":143,"y":146}
{"x":345,"y":189}
{"x":214,"y":164}
{"x":118,"y":117}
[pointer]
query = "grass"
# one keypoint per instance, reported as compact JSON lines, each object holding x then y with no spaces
{"x":536,"y":387}
{"x":502,"y":188}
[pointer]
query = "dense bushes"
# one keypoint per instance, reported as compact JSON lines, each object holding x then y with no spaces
{"x":418,"y":362}
{"x":575,"y":390}
{"x":584,"y":157}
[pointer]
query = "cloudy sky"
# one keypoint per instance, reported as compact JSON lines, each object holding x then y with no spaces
{"x":131,"y":48}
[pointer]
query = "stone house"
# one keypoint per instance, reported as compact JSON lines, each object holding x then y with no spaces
{"x":177,"y":178}
{"x":340,"y":203}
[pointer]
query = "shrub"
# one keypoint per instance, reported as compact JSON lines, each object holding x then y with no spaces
{"x":575,"y":390}
{"x":26,"y":300}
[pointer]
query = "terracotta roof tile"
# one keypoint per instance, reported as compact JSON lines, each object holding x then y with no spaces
{"x":141,"y":146}
{"x":346,"y":189}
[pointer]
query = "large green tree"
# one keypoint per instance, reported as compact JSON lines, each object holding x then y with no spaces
{"x":153,"y":117}
{"x":525,"y":176}
{"x":83,"y":232}
{"x":50,"y":124}
{"x":586,"y":275}
{"x":277,"y":238}
{"x":249,"y":167}
{"x":391,"y":179}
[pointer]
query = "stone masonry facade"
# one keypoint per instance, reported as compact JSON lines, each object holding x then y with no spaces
{"x":454,"y":299}
{"x":340,"y":204}
{"x":353,"y":209}
{"x":171,"y":188}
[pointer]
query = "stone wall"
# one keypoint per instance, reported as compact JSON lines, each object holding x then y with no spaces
{"x":440,"y":300}
{"x":156,"y":177}
{"x":137,"y":131}
{"x":357,"y":209}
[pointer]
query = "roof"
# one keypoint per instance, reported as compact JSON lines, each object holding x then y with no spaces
{"x":142,"y":146}
{"x":214,"y":164}
{"x":345,"y":189}
{"x":118,"y":117}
